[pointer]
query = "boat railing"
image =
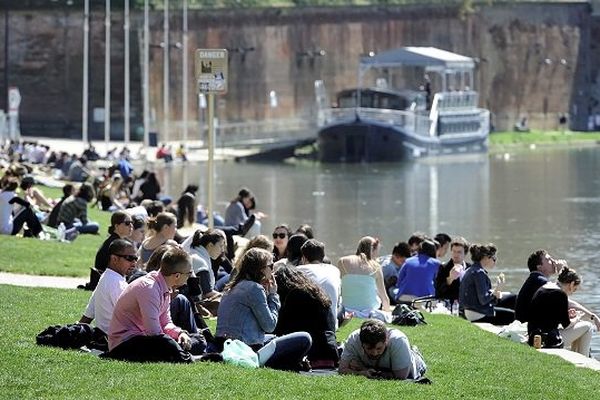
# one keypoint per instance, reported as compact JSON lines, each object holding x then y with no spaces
{"x":456,"y":100}
{"x":413,"y":123}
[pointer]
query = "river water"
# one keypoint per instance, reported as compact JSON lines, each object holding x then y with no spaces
{"x":521,"y":201}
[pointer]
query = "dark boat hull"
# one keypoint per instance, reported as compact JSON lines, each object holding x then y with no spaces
{"x":361,"y":141}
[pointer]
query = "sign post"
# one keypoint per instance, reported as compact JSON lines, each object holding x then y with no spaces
{"x":211,"y":78}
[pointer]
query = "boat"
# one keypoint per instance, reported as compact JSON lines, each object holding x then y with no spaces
{"x":379,"y":123}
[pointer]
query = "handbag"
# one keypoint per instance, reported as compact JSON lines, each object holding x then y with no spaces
{"x":239,"y":353}
{"x":406,"y":316}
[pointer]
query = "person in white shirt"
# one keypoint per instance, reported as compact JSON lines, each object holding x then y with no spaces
{"x":111,"y":284}
{"x":327,"y":276}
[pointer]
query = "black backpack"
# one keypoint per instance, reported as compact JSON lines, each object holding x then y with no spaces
{"x":407,"y":316}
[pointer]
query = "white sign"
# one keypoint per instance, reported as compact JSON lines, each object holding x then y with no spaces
{"x":211,"y":70}
{"x":14,"y":99}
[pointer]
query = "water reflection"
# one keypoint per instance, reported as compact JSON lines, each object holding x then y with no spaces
{"x":545,"y":199}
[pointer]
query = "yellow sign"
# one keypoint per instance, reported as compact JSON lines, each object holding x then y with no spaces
{"x":211,"y":71}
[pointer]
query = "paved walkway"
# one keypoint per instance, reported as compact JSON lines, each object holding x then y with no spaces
{"x":40,"y":281}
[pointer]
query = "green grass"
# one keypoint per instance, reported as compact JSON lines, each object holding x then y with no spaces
{"x":38,"y":257}
{"x":504,"y":139}
{"x":464,"y":362}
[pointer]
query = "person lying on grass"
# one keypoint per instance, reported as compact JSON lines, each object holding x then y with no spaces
{"x":377,"y":352}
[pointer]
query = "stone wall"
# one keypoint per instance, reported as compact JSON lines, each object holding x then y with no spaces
{"x":534,"y":60}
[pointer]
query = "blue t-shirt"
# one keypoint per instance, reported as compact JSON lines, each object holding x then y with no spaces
{"x":417,"y":275}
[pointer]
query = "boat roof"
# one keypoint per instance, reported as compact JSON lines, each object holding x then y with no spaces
{"x":433,"y":59}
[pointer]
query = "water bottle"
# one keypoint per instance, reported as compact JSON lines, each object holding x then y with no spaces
{"x":62,"y":231}
{"x":455,"y":308}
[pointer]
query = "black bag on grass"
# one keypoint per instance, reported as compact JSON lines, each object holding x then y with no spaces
{"x":407,"y":316}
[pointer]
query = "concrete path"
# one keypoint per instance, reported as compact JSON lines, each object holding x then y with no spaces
{"x":40,"y":281}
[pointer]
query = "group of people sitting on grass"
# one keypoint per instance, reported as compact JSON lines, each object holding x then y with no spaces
{"x":282,"y":298}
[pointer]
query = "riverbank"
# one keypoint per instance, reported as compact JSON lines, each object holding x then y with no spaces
{"x":501,"y":141}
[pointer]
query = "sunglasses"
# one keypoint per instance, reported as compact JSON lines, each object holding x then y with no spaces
{"x":279,"y":235}
{"x":130,"y":258}
{"x":494,"y":258}
{"x":127,"y":222}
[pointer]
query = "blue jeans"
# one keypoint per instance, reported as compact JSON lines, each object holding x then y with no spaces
{"x":91,"y":227}
{"x":290,"y":349}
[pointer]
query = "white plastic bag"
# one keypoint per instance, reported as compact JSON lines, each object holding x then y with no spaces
{"x":239,"y":353}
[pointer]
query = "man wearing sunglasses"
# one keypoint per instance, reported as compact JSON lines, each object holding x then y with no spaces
{"x":141,"y":328}
{"x":111,"y":284}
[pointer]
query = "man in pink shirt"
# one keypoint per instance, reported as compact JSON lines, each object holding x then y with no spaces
{"x":141,"y":328}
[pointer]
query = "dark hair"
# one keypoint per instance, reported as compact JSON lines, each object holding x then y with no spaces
{"x":535,"y":259}
{"x":154,"y":207}
{"x":372,"y":332}
{"x":242,"y":194}
{"x":118,"y":246}
{"x":460,"y":241}
{"x":118,"y":217}
{"x":478,"y":251}
{"x":251,"y":267}
{"x":190,"y":189}
{"x":416,"y":238}
{"x":428,"y":248}
{"x":138,"y":221}
{"x":568,"y":275}
{"x":186,"y":209}
{"x":443,"y":238}
{"x":86,"y":192}
{"x":27,"y":182}
{"x":313,"y":250}
{"x":67,"y":190}
{"x":11,"y":184}
{"x":401,"y":249}
{"x":174,"y":260}
{"x":288,"y":233}
{"x":306,"y":230}
{"x":209,"y":236}
{"x":294,"y":254}
{"x":290,"y":279}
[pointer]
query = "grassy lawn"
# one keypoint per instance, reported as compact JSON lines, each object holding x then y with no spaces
{"x":38,"y":257}
{"x":464,"y":362}
{"x":503,"y":139}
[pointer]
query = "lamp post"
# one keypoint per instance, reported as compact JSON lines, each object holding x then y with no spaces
{"x":6,"y":56}
{"x":86,"y":61}
{"x":146,"y":73}
{"x":185,"y":71}
{"x":166,"y":71}
{"x":126,"y":73}
{"x":107,"y":76}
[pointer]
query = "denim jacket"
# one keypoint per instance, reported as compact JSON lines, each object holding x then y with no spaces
{"x":476,"y":291}
{"x":246,"y":313}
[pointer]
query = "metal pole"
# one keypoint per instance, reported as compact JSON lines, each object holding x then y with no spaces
{"x":6,"y":57}
{"x":146,"y":73}
{"x":185,"y":71}
{"x":107,"y":77}
{"x":211,"y":161}
{"x":86,"y":61}
{"x":126,"y":28}
{"x":166,"y":72}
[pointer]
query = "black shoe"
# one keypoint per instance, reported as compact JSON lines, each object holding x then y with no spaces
{"x":245,"y":227}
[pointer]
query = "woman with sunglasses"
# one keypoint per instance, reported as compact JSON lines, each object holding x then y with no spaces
{"x":249,"y":311}
{"x":120,"y":227}
{"x":479,"y":301}
{"x":281,"y":234}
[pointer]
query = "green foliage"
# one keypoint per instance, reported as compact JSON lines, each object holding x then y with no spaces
{"x":464,"y":363}
{"x":502,"y":139}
